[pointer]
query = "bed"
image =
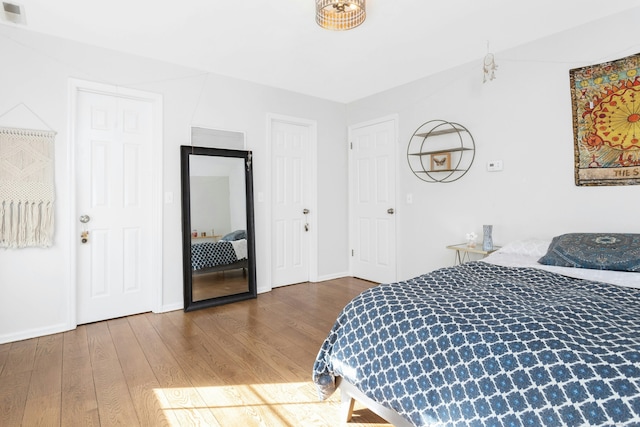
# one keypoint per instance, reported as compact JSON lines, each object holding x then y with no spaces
{"x":228,"y":253}
{"x":506,"y":341}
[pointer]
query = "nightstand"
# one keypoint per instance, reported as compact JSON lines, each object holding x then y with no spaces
{"x":463,"y":251}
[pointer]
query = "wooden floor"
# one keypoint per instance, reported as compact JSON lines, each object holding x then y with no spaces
{"x":242,"y":364}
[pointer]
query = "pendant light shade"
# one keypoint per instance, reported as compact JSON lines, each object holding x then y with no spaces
{"x":340,"y":15}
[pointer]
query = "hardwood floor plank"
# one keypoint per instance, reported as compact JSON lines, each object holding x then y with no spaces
{"x":228,"y":403}
{"x":13,"y":397}
{"x":138,"y":374}
{"x":253,"y":372}
{"x":21,"y":357}
{"x":78,"y":401}
{"x":179,"y":399}
{"x":43,"y":400}
{"x":242,"y":364}
{"x":115,"y":406}
{"x":76,"y":343}
{"x":4,"y":353}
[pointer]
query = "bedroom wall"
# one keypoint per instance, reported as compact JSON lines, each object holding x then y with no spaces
{"x":210,"y":204}
{"x":35,"y":283}
{"x":522,"y":118}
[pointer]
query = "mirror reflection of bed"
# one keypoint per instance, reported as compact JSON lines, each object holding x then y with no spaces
{"x":218,"y":265}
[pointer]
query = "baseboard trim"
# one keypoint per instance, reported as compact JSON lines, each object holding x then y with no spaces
{"x":35,"y":333}
{"x":332,"y":276}
{"x":171,"y":307}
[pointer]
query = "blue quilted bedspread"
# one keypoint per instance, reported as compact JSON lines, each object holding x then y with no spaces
{"x":484,"y":345}
{"x":212,"y":254}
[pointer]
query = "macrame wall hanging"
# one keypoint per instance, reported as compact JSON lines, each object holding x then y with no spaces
{"x":26,"y":187}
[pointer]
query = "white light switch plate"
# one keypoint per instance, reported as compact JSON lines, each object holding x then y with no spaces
{"x":494,"y":165}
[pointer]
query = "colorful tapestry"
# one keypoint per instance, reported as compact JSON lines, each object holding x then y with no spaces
{"x":606,"y":122}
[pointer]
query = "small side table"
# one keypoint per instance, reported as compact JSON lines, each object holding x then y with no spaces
{"x":463,"y":251}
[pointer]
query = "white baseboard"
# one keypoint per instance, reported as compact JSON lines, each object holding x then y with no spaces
{"x":34,"y":333}
{"x":333,"y":276}
{"x":319,"y":279}
{"x":171,"y":307}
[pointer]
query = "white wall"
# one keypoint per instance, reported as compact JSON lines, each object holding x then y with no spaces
{"x":35,"y":284}
{"x":210,"y":205}
{"x":522,"y":118}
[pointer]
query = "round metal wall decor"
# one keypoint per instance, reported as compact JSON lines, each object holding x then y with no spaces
{"x":440,"y":151}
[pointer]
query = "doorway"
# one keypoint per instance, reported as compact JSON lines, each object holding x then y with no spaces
{"x":372,"y":176}
{"x":292,"y":143}
{"x":116,"y":177}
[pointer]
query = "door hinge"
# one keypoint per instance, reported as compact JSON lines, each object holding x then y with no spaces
{"x":352,"y":252}
{"x":351,"y":145}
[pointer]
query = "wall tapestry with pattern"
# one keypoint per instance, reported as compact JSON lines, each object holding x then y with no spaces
{"x":26,"y":187}
{"x":606,"y":122}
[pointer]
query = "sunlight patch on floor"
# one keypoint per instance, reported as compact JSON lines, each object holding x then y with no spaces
{"x":280,"y":404}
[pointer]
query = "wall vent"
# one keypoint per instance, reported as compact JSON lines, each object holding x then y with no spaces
{"x":13,"y":12}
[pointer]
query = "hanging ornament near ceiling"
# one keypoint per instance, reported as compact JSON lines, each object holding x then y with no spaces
{"x":489,"y":66}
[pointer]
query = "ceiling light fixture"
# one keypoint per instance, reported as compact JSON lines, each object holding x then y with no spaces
{"x":340,"y":15}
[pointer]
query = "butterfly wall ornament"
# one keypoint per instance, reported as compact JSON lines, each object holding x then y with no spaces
{"x":440,"y":162}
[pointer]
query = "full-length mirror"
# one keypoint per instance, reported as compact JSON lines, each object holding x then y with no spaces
{"x":217,"y":226}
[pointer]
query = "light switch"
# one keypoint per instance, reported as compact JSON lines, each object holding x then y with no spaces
{"x":494,"y":165}
{"x":409,"y":198}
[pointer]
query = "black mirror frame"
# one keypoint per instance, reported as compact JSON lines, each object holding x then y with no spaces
{"x":185,"y":152}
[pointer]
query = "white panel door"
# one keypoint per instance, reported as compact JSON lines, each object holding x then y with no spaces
{"x":291,"y":195}
{"x":113,"y":164}
{"x":373,"y":195}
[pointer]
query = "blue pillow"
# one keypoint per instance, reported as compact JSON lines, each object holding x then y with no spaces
{"x":235,"y":235}
{"x":598,"y":251}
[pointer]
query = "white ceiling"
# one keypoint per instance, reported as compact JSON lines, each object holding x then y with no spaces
{"x":278,"y":43}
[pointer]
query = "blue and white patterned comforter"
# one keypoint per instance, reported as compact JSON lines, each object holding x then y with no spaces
{"x":212,"y":254}
{"x":480,"y":344}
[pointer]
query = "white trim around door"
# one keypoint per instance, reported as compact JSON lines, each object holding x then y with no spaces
{"x":76,"y":86}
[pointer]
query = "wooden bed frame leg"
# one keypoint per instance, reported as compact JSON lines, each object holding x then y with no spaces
{"x":347,"y":406}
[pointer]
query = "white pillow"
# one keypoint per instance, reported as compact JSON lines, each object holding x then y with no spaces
{"x":533,"y":247}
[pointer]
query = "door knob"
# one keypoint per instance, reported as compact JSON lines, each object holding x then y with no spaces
{"x":306,"y":225}
{"x":84,"y":236}
{"x":391,"y":211}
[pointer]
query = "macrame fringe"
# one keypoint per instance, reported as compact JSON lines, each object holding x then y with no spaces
{"x":25,"y":224}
